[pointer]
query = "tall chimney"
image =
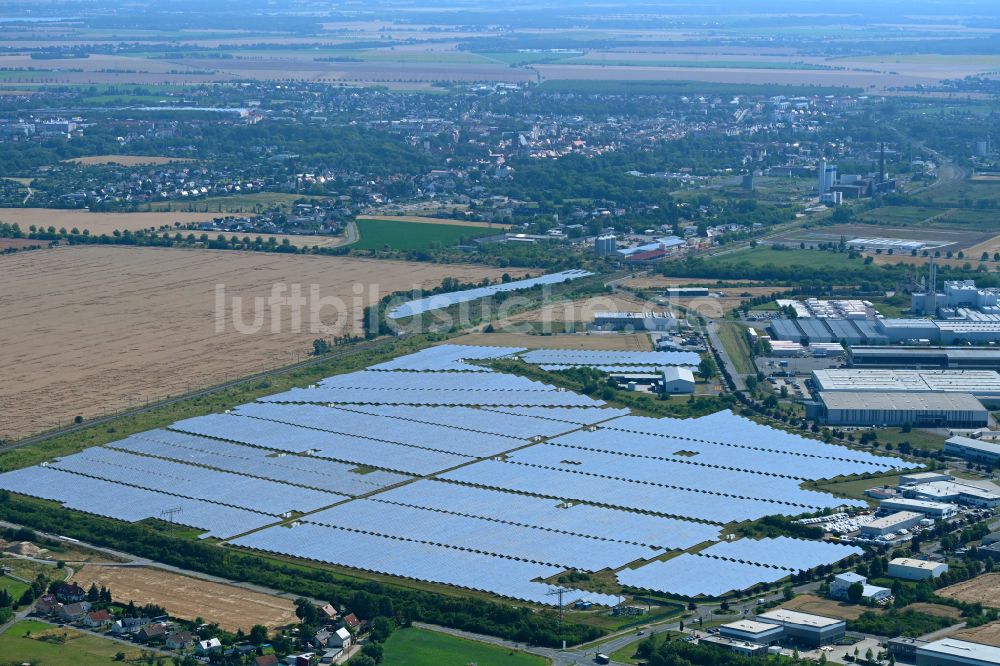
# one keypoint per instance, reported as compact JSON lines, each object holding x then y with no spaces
{"x":881,"y":164}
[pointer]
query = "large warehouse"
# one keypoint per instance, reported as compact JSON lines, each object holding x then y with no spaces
{"x":953,"y":652}
{"x":916,"y":358}
{"x":981,"y":383}
{"x":920,"y":409}
{"x":910,"y":569}
{"x":973,"y":449}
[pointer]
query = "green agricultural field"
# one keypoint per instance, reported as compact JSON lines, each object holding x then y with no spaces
{"x":39,"y":643}
{"x":401,"y":235}
{"x":517,"y":58}
{"x":419,"y":647}
{"x":855,"y":489}
{"x":734,"y":339}
{"x":613,"y":87}
{"x":15,"y":588}
{"x":763,"y":256}
{"x":596,"y":60}
{"x":899,"y":215}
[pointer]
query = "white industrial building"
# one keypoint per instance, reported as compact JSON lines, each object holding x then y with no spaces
{"x":920,"y":409}
{"x":980,"y":383}
{"x":954,"y":652}
{"x":636,"y":321}
{"x":761,"y":633}
{"x":678,"y":379}
{"x":842,"y":583}
{"x":923,"y":477}
{"x":936,"y":510}
{"x":953,"y":491}
{"x":805,"y":628}
{"x":910,"y":569}
{"x":973,"y":449}
{"x":895,"y":244}
{"x":891,"y":524}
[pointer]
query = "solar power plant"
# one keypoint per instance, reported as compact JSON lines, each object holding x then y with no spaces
{"x":617,"y":492}
{"x":128,"y":503}
{"x":345,"y":448}
{"x":364,"y":396}
{"x":691,"y":575}
{"x":583,"y":357}
{"x":726,"y":429}
{"x":439,"y":301}
{"x":409,"y":433}
{"x":782,"y":552}
{"x":193,"y":482}
{"x":578,"y":415}
{"x":736,"y":484}
{"x":434,"y":381}
{"x":709,"y":454}
{"x":618,"y":369}
{"x":531,"y":544}
{"x":297,"y":470}
{"x":470,"y":418}
{"x":447,"y":358}
{"x":418,"y":561}
{"x":549,"y":514}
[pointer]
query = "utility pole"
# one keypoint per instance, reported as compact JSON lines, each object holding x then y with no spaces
{"x":559,"y":591}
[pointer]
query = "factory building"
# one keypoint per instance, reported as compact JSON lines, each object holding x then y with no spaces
{"x":923,"y":477}
{"x":974,"y":450}
{"x":678,"y":379}
{"x":843,"y":582}
{"x":980,"y":383}
{"x":910,"y":569}
{"x":635,"y":321}
{"x":901,"y":520}
{"x":805,"y":628}
{"x":954,"y":492}
{"x":761,"y":633}
{"x":740,"y":647}
{"x":939,"y":358}
{"x":899,"y":408}
{"x":954,"y":652}
{"x":935,"y":510}
{"x":895,"y":244}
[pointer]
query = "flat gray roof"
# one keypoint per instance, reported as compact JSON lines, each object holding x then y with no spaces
{"x":940,"y":381}
{"x":787,"y":616}
{"x":902,"y":401}
{"x":956,"y":648}
{"x":974,"y":444}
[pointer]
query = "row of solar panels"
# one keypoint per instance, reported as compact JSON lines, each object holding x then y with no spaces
{"x":122,"y":502}
{"x":505,"y":577}
{"x":447,"y":358}
{"x":583,"y":357}
{"x":440,"y":301}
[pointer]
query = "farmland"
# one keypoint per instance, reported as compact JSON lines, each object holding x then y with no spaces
{"x":35,"y":642}
{"x":97,"y":328}
{"x":417,"y":219}
{"x":229,"y":606}
{"x":127,"y":160}
{"x":403,"y":235}
{"x":420,"y":647}
{"x":808,"y":603}
{"x":239,"y":203}
{"x":97,"y":223}
{"x":763,"y":256}
{"x":984,"y":589}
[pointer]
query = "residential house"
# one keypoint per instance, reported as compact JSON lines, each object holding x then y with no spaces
{"x":209,"y":646}
{"x":179,"y":640}
{"x":267,"y":660}
{"x":98,"y":618}
{"x":340,"y":639}
{"x":47,"y":604}
{"x":127,"y":625}
{"x":351,"y":622}
{"x":74,"y":612}
{"x":330,"y":612}
{"x":153,"y":632}
{"x":70,"y":593}
{"x":304,"y":659}
{"x":321,"y":638}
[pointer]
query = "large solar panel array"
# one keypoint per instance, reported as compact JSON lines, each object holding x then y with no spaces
{"x":504,"y":507}
{"x":210,"y":485}
{"x":739,"y":485}
{"x":782,"y":552}
{"x":691,"y":575}
{"x":113,"y":500}
{"x":439,"y":301}
{"x":610,"y":369}
{"x":345,"y":448}
{"x":447,"y":358}
{"x":583,"y":357}
{"x":531,"y":544}
{"x":548,"y":514}
{"x":444,"y":397}
{"x":418,"y":561}
{"x":297,"y":470}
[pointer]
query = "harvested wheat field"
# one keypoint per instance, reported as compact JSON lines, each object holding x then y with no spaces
{"x":808,"y":603}
{"x":598,"y":341}
{"x":229,"y":606}
{"x":128,"y":160}
{"x":983,"y":589}
{"x":88,"y":329}
{"x":987,"y":634}
{"x":98,"y":223}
